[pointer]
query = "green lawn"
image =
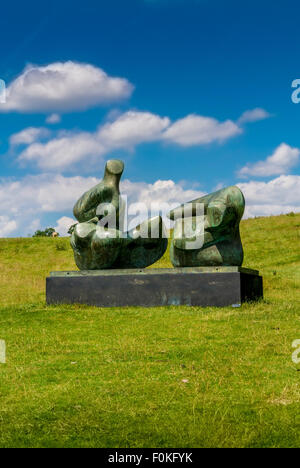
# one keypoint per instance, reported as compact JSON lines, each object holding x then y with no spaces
{"x":161,"y":377}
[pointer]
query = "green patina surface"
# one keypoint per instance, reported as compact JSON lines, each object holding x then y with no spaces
{"x":106,"y":192}
{"x":223,"y":211}
{"x":97,"y":246}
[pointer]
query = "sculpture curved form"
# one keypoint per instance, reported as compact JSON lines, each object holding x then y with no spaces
{"x":97,"y":246}
{"x":107,"y":191}
{"x":222,"y":246}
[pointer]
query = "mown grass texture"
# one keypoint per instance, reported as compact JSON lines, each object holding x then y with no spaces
{"x":80,"y":376}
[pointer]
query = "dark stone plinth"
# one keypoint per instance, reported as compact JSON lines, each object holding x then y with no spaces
{"x":219,"y":287}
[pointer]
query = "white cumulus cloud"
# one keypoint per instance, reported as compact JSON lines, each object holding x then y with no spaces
{"x":7,"y":226}
{"x":67,"y":149}
{"x":125,"y":132}
{"x":53,"y":119}
{"x":158,"y":193}
{"x":254,"y":115}
{"x":29,"y":135}
{"x":149,"y":200}
{"x":63,"y":225}
{"x":63,"y":151}
{"x":280,"y":162}
{"x":63,"y":87}
{"x":278,"y":196}
{"x":199,"y":130}
{"x":42,"y":193}
{"x":132,"y":128}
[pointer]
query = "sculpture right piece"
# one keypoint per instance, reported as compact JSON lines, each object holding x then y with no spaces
{"x":222,"y":246}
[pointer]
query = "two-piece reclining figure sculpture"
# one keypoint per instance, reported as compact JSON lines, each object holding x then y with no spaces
{"x":98,"y":246}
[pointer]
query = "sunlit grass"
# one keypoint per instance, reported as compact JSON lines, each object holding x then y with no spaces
{"x":159,"y":377}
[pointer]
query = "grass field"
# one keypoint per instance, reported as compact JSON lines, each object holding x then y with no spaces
{"x":162,"y":377}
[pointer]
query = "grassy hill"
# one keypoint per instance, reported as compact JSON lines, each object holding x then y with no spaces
{"x":161,"y":377}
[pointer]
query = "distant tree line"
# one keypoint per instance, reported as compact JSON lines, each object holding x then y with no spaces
{"x":48,"y":232}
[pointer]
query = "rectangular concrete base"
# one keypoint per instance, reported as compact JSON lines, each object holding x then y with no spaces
{"x":219,"y":287}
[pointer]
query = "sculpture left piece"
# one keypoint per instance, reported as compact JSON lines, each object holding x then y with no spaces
{"x":98,"y":241}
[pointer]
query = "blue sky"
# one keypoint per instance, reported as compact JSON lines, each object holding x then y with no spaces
{"x":191,"y":94}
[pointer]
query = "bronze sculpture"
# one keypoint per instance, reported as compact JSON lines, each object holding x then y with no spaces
{"x":222,"y":246}
{"x":98,"y":246}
